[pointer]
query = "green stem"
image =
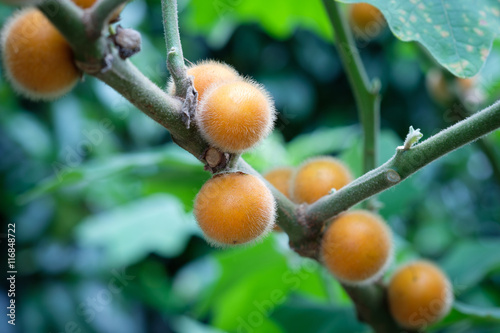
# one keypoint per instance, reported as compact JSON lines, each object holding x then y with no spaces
{"x":126,"y":79}
{"x":97,"y":17}
{"x":406,"y":162}
{"x":366,"y":93}
{"x":93,"y":56}
{"x":175,"y":58}
{"x":68,"y":19}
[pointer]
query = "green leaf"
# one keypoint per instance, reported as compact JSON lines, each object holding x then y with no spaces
{"x":66,"y":175}
{"x":270,"y":153}
{"x":474,"y":316}
{"x":470,"y":261}
{"x":300,"y":315}
{"x":279,"y":17}
{"x":321,"y":142}
{"x":186,"y":324}
{"x":492,"y":314}
{"x":458,"y":33}
{"x":129,"y":233}
{"x":254,"y":281}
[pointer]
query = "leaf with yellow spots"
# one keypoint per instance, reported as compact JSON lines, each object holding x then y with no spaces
{"x":458,"y":33}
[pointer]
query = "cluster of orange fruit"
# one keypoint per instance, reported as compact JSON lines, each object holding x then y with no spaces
{"x":234,"y":114}
{"x":357,"y":246}
{"x":38,"y":61}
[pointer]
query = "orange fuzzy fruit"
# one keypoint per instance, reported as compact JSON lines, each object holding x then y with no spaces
{"x":234,"y":116}
{"x":357,"y":247}
{"x":317,"y":177}
{"x":419,"y":294}
{"x":234,"y":208}
{"x":366,"y":18}
{"x":37,"y":59}
{"x":280,"y":178}
{"x":206,"y":74}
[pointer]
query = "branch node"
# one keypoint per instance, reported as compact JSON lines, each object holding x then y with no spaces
{"x":414,"y":135}
{"x":128,"y":42}
{"x":215,"y":159}
{"x":376,"y":85}
{"x":392,"y":176}
{"x":309,"y":243}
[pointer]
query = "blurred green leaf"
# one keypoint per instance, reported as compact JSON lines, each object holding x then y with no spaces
{"x":322,"y":141}
{"x":465,"y":29}
{"x":185,"y":324}
{"x":28,"y":132}
{"x":66,"y":175}
{"x":253,"y":282}
{"x":300,"y":315}
{"x":153,"y":285}
{"x":270,"y":153}
{"x":279,"y":18}
{"x":473,"y":316}
{"x":470,"y":261}
{"x":129,"y":233}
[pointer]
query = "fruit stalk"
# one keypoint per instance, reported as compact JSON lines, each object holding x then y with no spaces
{"x":175,"y":58}
{"x":406,"y":162}
{"x":96,"y":18}
{"x":366,"y":93}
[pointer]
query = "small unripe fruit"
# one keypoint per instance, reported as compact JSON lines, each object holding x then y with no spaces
{"x":419,"y":295}
{"x":317,"y":177}
{"x":37,"y":59}
{"x":206,"y":74}
{"x":357,"y":247}
{"x":234,"y":208}
{"x":280,"y":178}
{"x":234,"y":116}
{"x":365,"y":19}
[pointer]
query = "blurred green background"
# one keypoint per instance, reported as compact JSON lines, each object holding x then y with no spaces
{"x":106,"y":241}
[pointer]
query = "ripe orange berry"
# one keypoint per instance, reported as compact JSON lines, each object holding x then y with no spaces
{"x":317,"y":177}
{"x":234,"y":116}
{"x":357,"y":247}
{"x":419,"y":295}
{"x":366,"y":19}
{"x":280,"y":178}
{"x":206,"y":74}
{"x":37,"y":59}
{"x":234,"y":208}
